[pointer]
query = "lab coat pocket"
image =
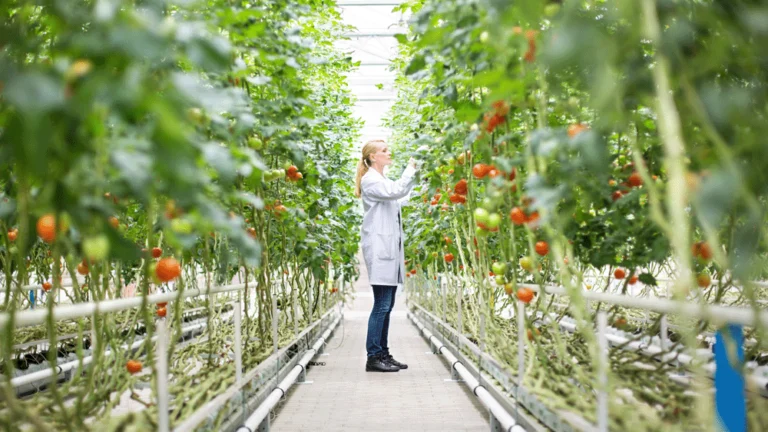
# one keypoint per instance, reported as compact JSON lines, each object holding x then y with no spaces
{"x":384,"y":246}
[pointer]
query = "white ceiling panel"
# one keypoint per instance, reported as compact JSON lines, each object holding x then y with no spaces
{"x":373,"y":45}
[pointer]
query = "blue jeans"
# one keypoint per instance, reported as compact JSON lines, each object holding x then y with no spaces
{"x":378,"y":322}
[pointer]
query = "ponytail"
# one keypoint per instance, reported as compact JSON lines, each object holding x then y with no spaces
{"x":362,"y":168}
{"x":365,"y":163}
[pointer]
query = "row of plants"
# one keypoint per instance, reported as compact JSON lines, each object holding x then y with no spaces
{"x":163,"y":146}
{"x":595,"y":145}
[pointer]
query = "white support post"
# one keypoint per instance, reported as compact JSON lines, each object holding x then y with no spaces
{"x":443,"y":286}
{"x":602,"y":372}
{"x":483,"y":312}
{"x":322,"y":300}
{"x":459,"y":319}
{"x":520,"y":342}
{"x":664,"y":333}
{"x":93,"y":334}
{"x":275,"y":313}
{"x":161,"y":354}
{"x":520,"y":353}
{"x":433,"y":295}
{"x":311,"y":291}
{"x":295,"y":295}
{"x":238,"y":343}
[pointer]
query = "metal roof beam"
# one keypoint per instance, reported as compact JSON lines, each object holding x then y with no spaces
{"x":369,"y":35}
{"x":384,"y":3}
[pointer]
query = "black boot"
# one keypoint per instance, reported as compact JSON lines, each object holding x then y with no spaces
{"x":378,"y":364}
{"x":389,"y":359}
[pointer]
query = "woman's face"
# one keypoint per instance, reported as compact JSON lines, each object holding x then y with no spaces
{"x":382,"y":156}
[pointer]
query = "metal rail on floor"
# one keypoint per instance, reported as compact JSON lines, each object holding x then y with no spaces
{"x":530,"y":413}
{"x":259,"y":419}
{"x":501,"y":420}
{"x":247,"y":393}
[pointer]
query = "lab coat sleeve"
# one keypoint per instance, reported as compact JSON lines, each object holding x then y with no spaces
{"x":404,"y":200}
{"x":379,"y":189}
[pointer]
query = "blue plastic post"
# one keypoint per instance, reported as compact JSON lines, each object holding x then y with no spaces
{"x":32,"y":299}
{"x":730,"y":402}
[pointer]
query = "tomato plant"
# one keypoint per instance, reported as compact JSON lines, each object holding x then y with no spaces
{"x":629,"y":137}
{"x":159,"y":147}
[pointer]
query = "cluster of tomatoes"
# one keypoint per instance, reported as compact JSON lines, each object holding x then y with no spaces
{"x":497,"y":116}
{"x":530,"y":36}
{"x":293,"y":174}
{"x":277,"y":208}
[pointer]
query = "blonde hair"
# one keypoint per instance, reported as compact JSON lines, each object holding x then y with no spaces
{"x":365,"y":162}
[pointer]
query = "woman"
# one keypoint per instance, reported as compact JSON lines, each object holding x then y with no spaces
{"x":382,"y":239}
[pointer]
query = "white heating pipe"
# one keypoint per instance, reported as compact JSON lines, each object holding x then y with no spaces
{"x":730,"y":314}
{"x":38,"y":316}
{"x":211,"y":407}
{"x":253,"y":422}
{"x":506,"y":420}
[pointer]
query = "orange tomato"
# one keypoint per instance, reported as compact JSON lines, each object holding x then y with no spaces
{"x":524,"y":295}
{"x":133,"y":366}
{"x":168,"y":269}
{"x":542,"y":248}
{"x":46,"y":228}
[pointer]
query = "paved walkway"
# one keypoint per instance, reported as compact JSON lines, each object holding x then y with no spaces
{"x":343,"y":397}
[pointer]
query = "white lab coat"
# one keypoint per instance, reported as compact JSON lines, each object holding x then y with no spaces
{"x":382,"y":235}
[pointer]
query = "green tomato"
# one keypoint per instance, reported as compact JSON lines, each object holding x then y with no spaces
{"x":488,"y":204}
{"x":279,"y":173}
{"x":64,"y":222}
{"x":181,"y":226}
{"x":479,"y":232}
{"x":452,"y":161}
{"x":499,"y":268}
{"x":500,"y":279}
{"x":481,"y":216}
{"x":255,"y":143}
{"x":494,"y":220}
{"x":196,"y":115}
{"x":484,"y":37}
{"x":526,"y":263}
{"x":551,"y":9}
{"x":96,"y":248}
{"x":287,"y":164}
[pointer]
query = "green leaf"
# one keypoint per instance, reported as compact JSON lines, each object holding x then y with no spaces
{"x":251,"y":199}
{"x":647,"y":279}
{"x":134,"y":169}
{"x":34,"y":93}
{"x":715,"y":197}
{"x":7,"y":209}
{"x":416,"y":64}
{"x":220,"y":159}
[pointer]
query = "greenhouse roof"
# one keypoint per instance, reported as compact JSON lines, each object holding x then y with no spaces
{"x":374,"y":45}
